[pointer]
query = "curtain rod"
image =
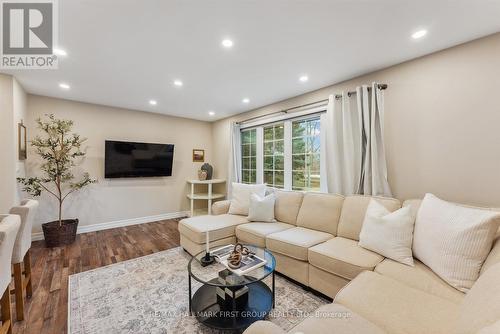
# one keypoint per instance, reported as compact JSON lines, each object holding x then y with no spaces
{"x":380,"y":86}
{"x":285,"y":111}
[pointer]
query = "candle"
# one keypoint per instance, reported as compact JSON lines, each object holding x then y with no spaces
{"x":207,"y":241}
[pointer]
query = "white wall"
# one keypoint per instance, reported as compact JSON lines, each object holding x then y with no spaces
{"x":20,"y":115}
{"x":12,"y":111}
{"x":7,"y":134}
{"x":112,"y":200}
{"x":441,"y":123}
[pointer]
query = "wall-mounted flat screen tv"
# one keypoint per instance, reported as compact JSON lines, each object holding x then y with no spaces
{"x":130,"y":159}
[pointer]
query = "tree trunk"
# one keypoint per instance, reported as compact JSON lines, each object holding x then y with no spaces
{"x":60,"y":213}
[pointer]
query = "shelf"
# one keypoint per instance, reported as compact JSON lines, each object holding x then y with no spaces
{"x":213,"y":181}
{"x":200,"y":212}
{"x":205,"y":196}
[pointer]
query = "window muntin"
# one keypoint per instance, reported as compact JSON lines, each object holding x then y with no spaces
{"x":306,"y":154}
{"x":284,"y":155}
{"x":249,"y":156}
{"x":274,"y":155}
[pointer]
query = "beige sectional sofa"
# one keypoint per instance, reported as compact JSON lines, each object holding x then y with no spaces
{"x":373,"y":303}
{"x":315,"y":242}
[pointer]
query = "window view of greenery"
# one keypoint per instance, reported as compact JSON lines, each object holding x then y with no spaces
{"x":306,"y":148}
{"x":249,"y":156}
{"x":274,"y":155}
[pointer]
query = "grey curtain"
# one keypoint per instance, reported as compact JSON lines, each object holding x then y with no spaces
{"x":374,"y":174}
{"x":234,"y":168}
{"x":355,"y":154}
{"x":343,"y":146}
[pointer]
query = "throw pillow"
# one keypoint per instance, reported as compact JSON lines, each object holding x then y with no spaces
{"x":388,"y":233}
{"x":454,"y":240}
{"x":261,"y":208}
{"x":240,"y":202}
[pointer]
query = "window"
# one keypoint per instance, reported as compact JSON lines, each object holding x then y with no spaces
{"x":274,"y":155}
{"x":306,"y":153}
{"x":249,"y":156}
{"x":286,"y":154}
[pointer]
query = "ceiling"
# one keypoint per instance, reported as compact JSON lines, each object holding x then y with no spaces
{"x":124,"y":53}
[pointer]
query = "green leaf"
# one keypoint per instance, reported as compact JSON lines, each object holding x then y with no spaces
{"x":60,"y":150}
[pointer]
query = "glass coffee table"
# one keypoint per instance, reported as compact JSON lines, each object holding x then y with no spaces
{"x":213,"y":303}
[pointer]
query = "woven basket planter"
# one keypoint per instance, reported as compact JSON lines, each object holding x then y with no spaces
{"x":56,"y":235}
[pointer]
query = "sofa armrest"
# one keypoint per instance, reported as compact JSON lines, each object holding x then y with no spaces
{"x":220,"y":207}
{"x":264,"y":327}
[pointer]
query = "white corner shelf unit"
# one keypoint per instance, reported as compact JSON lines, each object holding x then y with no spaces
{"x":208,"y":196}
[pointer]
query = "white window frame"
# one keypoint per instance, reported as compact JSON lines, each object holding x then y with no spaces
{"x":314,"y":112}
{"x":256,"y":152}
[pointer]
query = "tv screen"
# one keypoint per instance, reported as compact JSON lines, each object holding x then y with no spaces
{"x":129,"y":159}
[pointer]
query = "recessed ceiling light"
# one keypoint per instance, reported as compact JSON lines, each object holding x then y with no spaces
{"x":245,"y":100}
{"x":64,"y":86}
{"x":304,"y":78}
{"x":211,"y":113}
{"x":419,"y":34}
{"x":227,"y":43}
{"x":153,"y":102}
{"x":60,"y":52}
{"x":178,"y":83}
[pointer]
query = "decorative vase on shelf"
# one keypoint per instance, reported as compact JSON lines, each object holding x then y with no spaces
{"x":209,"y":169}
{"x":202,"y":175}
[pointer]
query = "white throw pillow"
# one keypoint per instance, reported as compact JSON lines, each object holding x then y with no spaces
{"x":388,"y":233}
{"x":240,"y":202}
{"x":454,"y":240}
{"x":261,"y":208}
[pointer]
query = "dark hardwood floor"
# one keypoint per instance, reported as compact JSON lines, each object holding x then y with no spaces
{"x":47,"y":311}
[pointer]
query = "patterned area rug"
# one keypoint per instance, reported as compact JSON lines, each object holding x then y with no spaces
{"x":149,"y":295}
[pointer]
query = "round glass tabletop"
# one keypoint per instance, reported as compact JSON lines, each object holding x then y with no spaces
{"x":212,"y":273}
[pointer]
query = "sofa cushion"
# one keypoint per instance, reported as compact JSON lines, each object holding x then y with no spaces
{"x":292,"y":268}
{"x":414,"y":205}
{"x":337,"y":319}
{"x":261,"y":208}
{"x":296,"y":241}
{"x":494,"y":255}
{"x":287,"y":206}
{"x":221,"y":226}
{"x":320,"y":212}
{"x":255,"y":233}
{"x":194,"y":248}
{"x":481,"y":306}
{"x":343,"y":257}
{"x":389,"y":234}
{"x":353,"y":213}
{"x":419,"y":277}
{"x":492,"y":329}
{"x":396,"y":307}
{"x":221,"y":207}
{"x":264,"y":327}
{"x":454,"y":240}
{"x":241,"y":194}
{"x":327,"y":283}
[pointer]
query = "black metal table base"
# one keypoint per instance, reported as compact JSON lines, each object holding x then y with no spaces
{"x":203,"y":304}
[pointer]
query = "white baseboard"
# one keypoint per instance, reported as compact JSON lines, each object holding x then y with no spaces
{"x":120,"y":223}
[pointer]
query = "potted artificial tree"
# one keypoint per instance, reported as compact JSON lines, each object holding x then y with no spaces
{"x":59,"y":149}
